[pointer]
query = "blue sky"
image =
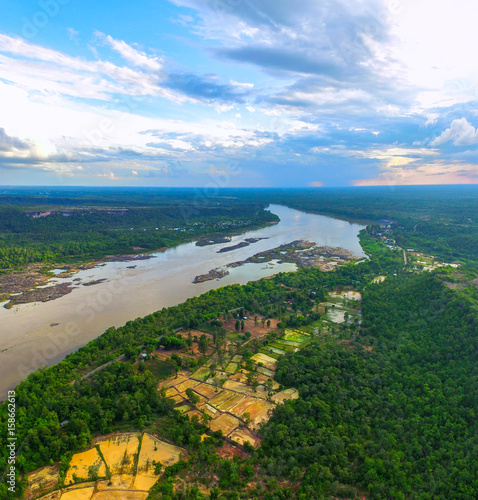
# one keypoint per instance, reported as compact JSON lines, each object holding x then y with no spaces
{"x":225,"y":93}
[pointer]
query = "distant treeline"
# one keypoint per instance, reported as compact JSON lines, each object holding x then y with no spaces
{"x":86,"y":233}
{"x":441,"y":220}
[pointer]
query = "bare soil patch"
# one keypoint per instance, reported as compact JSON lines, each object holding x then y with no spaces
{"x":42,"y":479}
{"x":225,"y":423}
{"x":82,"y":463}
{"x":284,"y":395}
{"x":242,"y":435}
{"x":256,"y":329}
{"x":119,"y":452}
{"x":78,"y":493}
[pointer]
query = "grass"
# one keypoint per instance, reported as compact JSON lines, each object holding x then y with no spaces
{"x":296,"y":337}
{"x":161,"y":369}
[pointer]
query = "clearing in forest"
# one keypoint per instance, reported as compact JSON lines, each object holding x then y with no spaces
{"x":132,"y":468}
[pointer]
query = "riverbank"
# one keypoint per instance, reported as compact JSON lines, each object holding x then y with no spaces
{"x":35,"y":284}
{"x":139,"y":288}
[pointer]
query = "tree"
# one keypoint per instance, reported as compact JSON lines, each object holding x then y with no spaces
{"x":242,"y":325}
{"x":192,"y":396}
{"x":237,"y":326}
{"x":176,"y":359}
{"x":251,"y":378}
{"x":130,"y":353}
{"x":220,"y":357}
{"x":268,"y":323}
{"x":203,"y":344}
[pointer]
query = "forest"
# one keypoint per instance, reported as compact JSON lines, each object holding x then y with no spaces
{"x":442,"y":220}
{"x":386,"y":409}
{"x":393,"y":412}
{"x":86,"y":226}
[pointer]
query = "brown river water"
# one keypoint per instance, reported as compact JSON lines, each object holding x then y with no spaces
{"x":43,"y":333}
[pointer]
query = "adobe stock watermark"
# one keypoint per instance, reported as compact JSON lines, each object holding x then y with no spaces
{"x":48,"y":9}
{"x":11,"y":442}
{"x":57,"y":343}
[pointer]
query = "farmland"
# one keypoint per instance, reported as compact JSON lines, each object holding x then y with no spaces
{"x":222,"y":375}
{"x":119,"y":466}
{"x":234,"y":392}
{"x":239,"y":396}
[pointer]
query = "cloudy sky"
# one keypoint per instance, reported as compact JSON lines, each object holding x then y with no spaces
{"x":238,"y":92}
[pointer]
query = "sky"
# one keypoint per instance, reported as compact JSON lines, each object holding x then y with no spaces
{"x":238,"y":93}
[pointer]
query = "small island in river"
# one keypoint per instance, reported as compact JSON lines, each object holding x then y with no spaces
{"x":211,"y":275}
{"x":300,"y":252}
{"x":242,"y":244}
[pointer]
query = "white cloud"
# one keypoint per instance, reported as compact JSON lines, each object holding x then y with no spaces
{"x":40,"y":69}
{"x":389,"y":153}
{"x":222,"y":108}
{"x":431,"y":118}
{"x":130,"y":54}
{"x":388,"y":110}
{"x":73,"y":35}
{"x":241,"y":85}
{"x":436,"y":172}
{"x":461,"y":132}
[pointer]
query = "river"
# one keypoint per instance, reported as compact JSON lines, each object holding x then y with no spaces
{"x":43,"y":333}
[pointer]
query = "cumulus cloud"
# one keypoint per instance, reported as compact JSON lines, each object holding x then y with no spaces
{"x":323,"y":86}
{"x":461,"y":132}
{"x":8,"y":144}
